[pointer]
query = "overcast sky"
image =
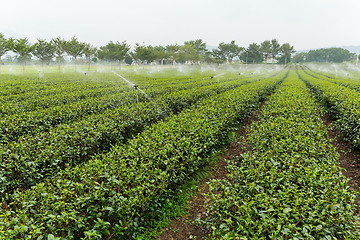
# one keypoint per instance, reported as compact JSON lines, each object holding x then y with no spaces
{"x":306,"y":24}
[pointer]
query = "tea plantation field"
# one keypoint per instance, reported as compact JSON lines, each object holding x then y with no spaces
{"x":95,"y":155}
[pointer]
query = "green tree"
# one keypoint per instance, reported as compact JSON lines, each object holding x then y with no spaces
{"x":198,"y":44}
{"x":266,"y":49}
{"x":23,"y":48}
{"x":89,"y":52}
{"x":173,"y":51}
{"x":128,"y":59}
{"x":114,"y":52}
{"x":209,"y":58}
{"x":227,"y":51}
{"x":286,"y":51}
{"x":160,"y":53}
{"x":193,"y":51}
{"x":300,"y":57}
{"x":44,"y":50}
{"x":104,"y":53}
{"x":60,"y":47}
{"x":330,"y":55}
{"x":275,"y":49}
{"x":188,"y":53}
{"x":219,"y":54}
{"x":74,"y":48}
{"x":252,"y":54}
{"x":5,"y":46}
{"x":144,"y":54}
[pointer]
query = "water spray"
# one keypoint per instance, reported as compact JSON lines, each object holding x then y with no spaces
{"x":130,"y":83}
{"x":41,"y":74}
{"x":137,"y":89}
{"x":133,"y":85}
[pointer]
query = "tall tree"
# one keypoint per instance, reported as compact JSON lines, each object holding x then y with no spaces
{"x":5,"y":46}
{"x":74,"y":48}
{"x":198,"y":44}
{"x":59,"y":45}
{"x":173,"y":51}
{"x":128,"y":59}
{"x":266,"y":49}
{"x":286,"y":51}
{"x":104,"y":53}
{"x":24,"y":49}
{"x":121,"y":49}
{"x":209,"y":57}
{"x":330,"y":55}
{"x":195,"y":49}
{"x":253,"y":54}
{"x":160,"y":53}
{"x":89,"y":52}
{"x":114,"y":52}
{"x":219,"y":55}
{"x":189,"y":53}
{"x":227,"y":51}
{"x":275,"y":48}
{"x":144,"y":54}
{"x":44,"y":50}
{"x":300,"y":57}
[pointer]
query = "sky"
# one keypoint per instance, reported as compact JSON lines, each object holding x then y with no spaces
{"x":305,"y":24}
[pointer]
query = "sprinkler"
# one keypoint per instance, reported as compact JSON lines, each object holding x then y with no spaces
{"x":137,"y":95}
{"x":211,"y":79}
{"x":85,"y":76}
{"x":133,"y":85}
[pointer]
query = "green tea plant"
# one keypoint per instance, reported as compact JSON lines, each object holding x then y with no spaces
{"x":289,"y":185}
{"x":67,"y":145}
{"x":350,"y":83}
{"x":342,"y":103}
{"x":109,"y":195}
{"x":24,"y":115}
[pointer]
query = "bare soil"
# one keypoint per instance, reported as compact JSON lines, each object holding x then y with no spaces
{"x":185,"y":227}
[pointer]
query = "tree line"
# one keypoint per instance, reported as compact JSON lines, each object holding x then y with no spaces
{"x":193,"y":52}
{"x":331,"y":55}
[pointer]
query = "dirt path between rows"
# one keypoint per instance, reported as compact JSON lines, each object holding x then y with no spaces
{"x":184,"y":227}
{"x":349,"y":158}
